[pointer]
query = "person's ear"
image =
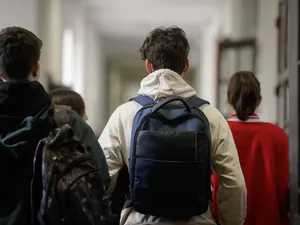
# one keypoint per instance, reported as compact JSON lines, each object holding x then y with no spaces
{"x":149,"y":67}
{"x":85,"y":117}
{"x":228,"y":101}
{"x":187,"y":66}
{"x":35,"y":70}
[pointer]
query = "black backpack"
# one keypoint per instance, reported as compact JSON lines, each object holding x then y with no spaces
{"x":170,"y":158}
{"x":67,"y":188}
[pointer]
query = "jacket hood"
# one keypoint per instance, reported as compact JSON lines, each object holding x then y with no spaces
{"x":19,"y":100}
{"x":165,"y":83}
{"x":24,"y":109}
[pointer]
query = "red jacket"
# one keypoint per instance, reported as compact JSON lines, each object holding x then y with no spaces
{"x":264,"y":158}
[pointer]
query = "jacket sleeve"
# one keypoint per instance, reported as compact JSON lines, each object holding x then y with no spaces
{"x":84,"y":132}
{"x":232,"y":189}
{"x":110,"y":141}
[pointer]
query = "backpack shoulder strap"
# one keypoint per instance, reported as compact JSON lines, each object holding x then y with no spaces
{"x":196,"y":102}
{"x":143,"y":100}
{"x":62,"y":115}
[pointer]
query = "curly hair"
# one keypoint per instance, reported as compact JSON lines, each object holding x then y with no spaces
{"x":166,"y":48}
{"x":20,"y":49}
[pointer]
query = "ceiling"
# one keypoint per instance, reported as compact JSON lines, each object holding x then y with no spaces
{"x":123,"y":24}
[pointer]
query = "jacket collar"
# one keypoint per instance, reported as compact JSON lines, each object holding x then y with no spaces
{"x":253,"y":118}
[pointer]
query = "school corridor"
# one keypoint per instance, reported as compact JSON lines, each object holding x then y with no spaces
{"x":92,"y":46}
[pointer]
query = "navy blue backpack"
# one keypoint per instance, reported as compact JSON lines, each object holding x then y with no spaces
{"x":170,"y":158}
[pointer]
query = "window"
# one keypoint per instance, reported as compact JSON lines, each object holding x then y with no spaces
{"x":233,"y":56}
{"x":78,"y":75}
{"x":72,"y":62}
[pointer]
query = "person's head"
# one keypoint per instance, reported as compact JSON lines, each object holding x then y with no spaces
{"x":166,"y":48}
{"x":20,"y":52}
{"x":71,"y":98}
{"x":244,"y":93}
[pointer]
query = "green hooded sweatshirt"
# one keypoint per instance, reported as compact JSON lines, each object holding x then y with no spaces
{"x":25,"y":108}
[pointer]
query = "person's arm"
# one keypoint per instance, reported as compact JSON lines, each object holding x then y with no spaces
{"x":110,"y":140}
{"x":84,"y":132}
{"x":282,"y":172}
{"x":232,"y":190}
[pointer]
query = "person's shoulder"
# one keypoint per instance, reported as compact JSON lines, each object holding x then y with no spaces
{"x":213,"y":115}
{"x":78,"y":124}
{"x":130,"y":105}
{"x":127,"y":109}
{"x":275,"y":130}
{"x":75,"y":116}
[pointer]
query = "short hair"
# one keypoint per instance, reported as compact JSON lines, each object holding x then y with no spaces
{"x":63,"y":96}
{"x":20,"y":49}
{"x":244,"y":93}
{"x":166,"y":48}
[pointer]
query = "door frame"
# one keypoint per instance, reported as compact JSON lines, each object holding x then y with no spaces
{"x":293,"y":73}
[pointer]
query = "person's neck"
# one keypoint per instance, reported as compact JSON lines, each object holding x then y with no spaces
{"x":30,"y":77}
{"x":234,"y":113}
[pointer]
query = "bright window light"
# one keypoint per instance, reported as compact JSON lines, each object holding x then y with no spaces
{"x":78,"y":80}
{"x":68,"y":58}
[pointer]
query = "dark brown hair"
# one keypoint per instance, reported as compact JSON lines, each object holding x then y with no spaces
{"x":166,"y":48}
{"x":244,"y":93}
{"x":20,"y":49}
{"x":63,"y":96}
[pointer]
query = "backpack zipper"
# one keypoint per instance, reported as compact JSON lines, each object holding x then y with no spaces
{"x":196,"y":146}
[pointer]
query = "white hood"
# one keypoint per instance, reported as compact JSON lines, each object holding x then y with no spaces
{"x":165,"y":83}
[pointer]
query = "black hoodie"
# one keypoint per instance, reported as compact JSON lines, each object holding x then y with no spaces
{"x":25,"y":108}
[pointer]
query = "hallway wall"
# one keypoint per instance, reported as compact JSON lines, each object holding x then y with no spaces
{"x":25,"y":14}
{"x":267,"y":58}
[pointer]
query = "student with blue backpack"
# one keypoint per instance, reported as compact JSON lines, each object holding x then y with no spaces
{"x":171,"y":140}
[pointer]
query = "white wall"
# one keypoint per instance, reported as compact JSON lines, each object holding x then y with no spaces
{"x":50,"y":31}
{"x":115,"y":85}
{"x":230,"y":18}
{"x":96,"y":90}
{"x":19,"y":13}
{"x":206,"y":80}
{"x":238,"y":18}
{"x":267,"y":58}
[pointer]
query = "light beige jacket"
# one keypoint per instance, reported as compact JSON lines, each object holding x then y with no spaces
{"x":115,"y":142}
